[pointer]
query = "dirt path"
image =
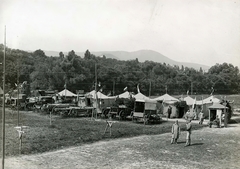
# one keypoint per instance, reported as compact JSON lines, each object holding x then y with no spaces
{"x":212,"y":148}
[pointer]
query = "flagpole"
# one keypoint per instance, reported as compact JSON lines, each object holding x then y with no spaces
{"x":18,"y":92}
{"x":150,"y":86}
{"x":3,"y":103}
{"x":65,"y":86}
{"x":191,"y":87}
{"x":113,"y":87}
{"x":96,"y":87}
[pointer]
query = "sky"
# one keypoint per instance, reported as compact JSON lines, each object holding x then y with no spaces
{"x":199,"y":31}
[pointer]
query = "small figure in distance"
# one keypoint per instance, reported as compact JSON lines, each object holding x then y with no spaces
{"x":175,"y":132}
{"x":189,"y":132}
{"x":201,"y":117}
{"x":217,"y":121}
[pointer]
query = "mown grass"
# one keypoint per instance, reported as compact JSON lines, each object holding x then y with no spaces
{"x":68,"y":132}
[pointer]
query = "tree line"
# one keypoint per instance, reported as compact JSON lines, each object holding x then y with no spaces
{"x":79,"y":72}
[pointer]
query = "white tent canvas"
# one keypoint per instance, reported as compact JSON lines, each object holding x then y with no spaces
{"x":210,"y":99}
{"x":166,"y":97}
{"x":189,"y":100}
{"x":141,"y":96}
{"x":99,"y":95}
{"x":125,"y":95}
{"x":66,"y":93}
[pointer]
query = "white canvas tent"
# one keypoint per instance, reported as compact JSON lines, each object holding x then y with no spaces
{"x":125,"y":95}
{"x":167,"y":101}
{"x":166,"y":97}
{"x":189,"y":100}
{"x":100,"y":95}
{"x":103,"y":100}
{"x":141,"y":96}
{"x":211,"y":99}
{"x":67,"y":93}
{"x":205,"y":104}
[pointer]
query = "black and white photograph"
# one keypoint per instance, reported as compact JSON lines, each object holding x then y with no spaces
{"x":120,"y":84}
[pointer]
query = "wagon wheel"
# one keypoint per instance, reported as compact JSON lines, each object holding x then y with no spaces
{"x":63,"y":113}
{"x":75,"y":113}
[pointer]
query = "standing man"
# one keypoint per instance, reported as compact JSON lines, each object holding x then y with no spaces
{"x":189,"y":132}
{"x":201,"y":117}
{"x":175,"y":132}
{"x":188,"y":115}
{"x":169,"y":111}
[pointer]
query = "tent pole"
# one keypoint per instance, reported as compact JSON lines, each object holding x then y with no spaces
{"x":18,"y":92}
{"x":96,"y":88}
{"x":3,"y":102}
{"x":150,"y":86}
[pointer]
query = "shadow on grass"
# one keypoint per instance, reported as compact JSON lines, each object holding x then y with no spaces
{"x":196,"y":144}
{"x":234,"y":121}
{"x":181,"y":142}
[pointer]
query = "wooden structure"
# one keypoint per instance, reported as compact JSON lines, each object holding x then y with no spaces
{"x":216,"y":110}
{"x":120,"y":112}
{"x":145,"y":111}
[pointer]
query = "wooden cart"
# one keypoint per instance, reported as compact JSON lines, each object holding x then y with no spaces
{"x":146,"y":111}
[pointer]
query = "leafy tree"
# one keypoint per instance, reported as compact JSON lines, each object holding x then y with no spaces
{"x":61,"y":55}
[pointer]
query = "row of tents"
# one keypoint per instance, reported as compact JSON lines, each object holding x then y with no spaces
{"x":179,"y":106}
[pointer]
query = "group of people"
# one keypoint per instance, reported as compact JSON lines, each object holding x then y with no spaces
{"x":176,"y":132}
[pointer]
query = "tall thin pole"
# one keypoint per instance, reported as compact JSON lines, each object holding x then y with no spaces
{"x":18,"y":92}
{"x":96,"y":87}
{"x":3,"y":103}
{"x":191,"y":87}
{"x":113,"y":87}
{"x":150,"y":86}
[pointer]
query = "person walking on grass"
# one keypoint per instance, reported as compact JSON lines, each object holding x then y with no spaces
{"x":175,"y":132}
{"x":189,"y":132}
{"x":201,"y":117}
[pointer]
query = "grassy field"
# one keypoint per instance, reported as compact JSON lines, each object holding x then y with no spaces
{"x":211,"y":148}
{"x":67,"y":132}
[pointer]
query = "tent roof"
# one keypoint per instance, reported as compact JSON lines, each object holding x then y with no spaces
{"x":211,"y":99}
{"x":146,"y":100}
{"x":189,"y":100}
{"x":166,"y":97}
{"x":67,"y":93}
{"x":141,"y":96}
{"x":125,"y":95}
{"x":217,"y":106}
{"x":99,"y":95}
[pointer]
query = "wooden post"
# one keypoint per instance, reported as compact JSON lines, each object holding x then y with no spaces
{"x":113,"y":87}
{"x":3,"y":103}
{"x":50,"y":118}
{"x":96,"y":89}
{"x":209,"y":114}
{"x":109,"y":125}
{"x":20,"y":146}
{"x":20,"y":135}
{"x":150,"y":86}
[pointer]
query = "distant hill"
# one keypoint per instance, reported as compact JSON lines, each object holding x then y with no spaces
{"x":142,"y":56}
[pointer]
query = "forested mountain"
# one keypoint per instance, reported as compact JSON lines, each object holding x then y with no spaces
{"x":142,"y":55}
{"x":78,"y":73}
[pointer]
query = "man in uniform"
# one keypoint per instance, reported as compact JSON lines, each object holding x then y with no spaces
{"x":201,"y":117}
{"x":175,"y":132}
{"x":189,"y":132}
